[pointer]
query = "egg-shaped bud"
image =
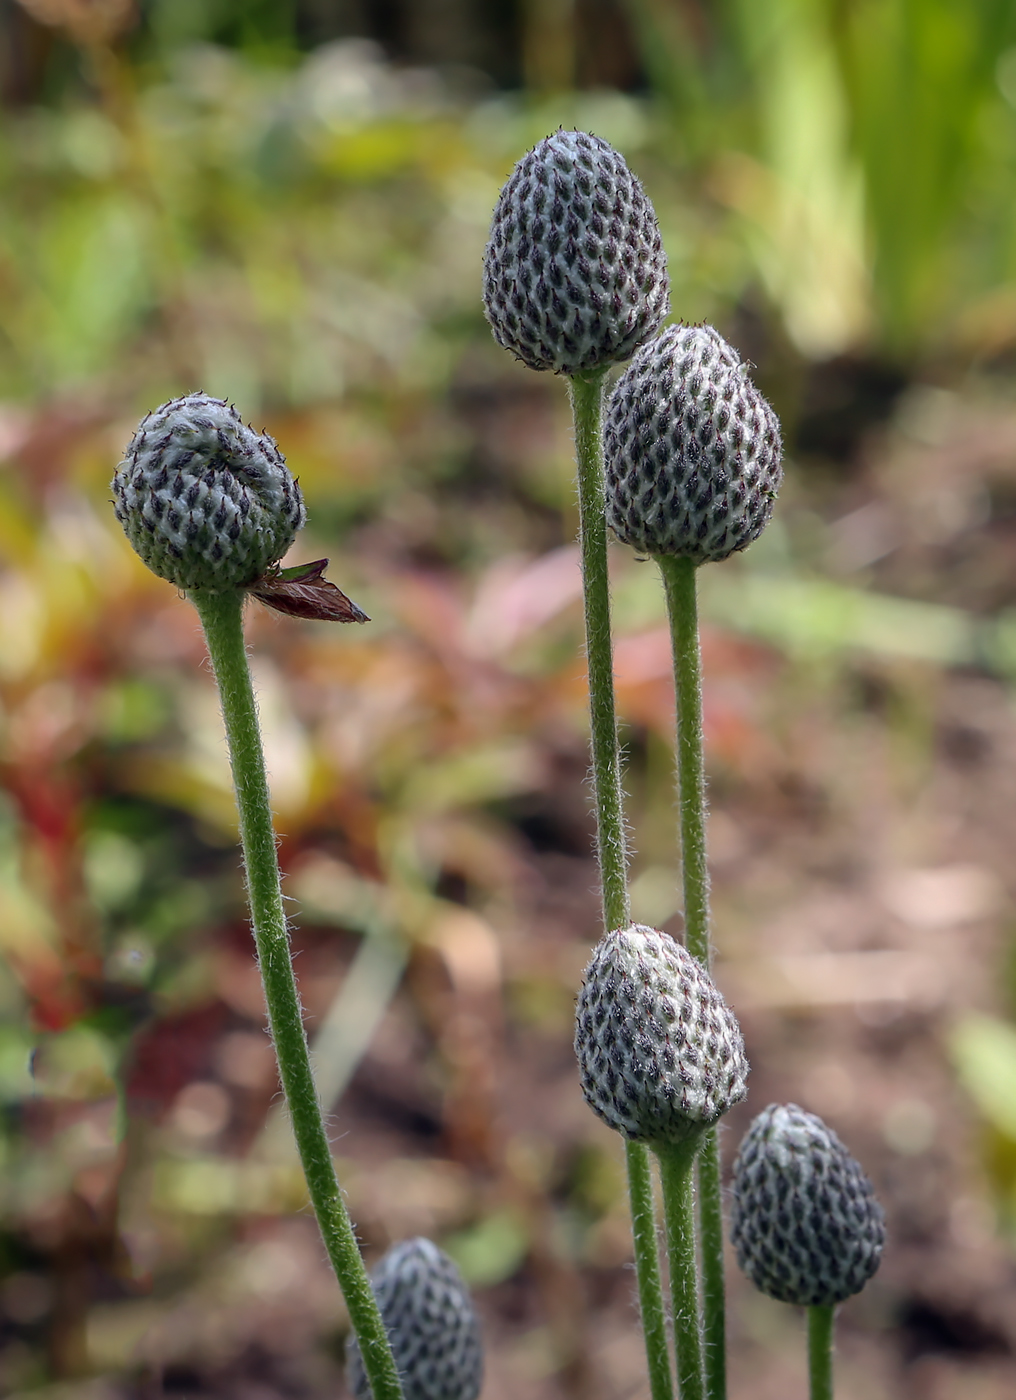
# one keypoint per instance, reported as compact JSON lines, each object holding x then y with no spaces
{"x":660,"y":1053}
{"x":805,"y":1222}
{"x":206,"y":502}
{"x":574,"y":275}
{"x":693,"y":452}
{"x":431,"y":1324}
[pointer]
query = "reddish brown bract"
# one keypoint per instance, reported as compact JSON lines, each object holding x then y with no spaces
{"x":303,"y":591}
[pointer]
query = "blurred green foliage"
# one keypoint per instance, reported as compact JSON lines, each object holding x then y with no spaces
{"x":984,"y":1052}
{"x":199,"y":216}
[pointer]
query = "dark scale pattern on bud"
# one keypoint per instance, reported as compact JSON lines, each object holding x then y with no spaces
{"x":574,"y":275}
{"x":693,"y":451}
{"x":430,"y":1321}
{"x":806,"y":1225}
{"x":660,"y":1054}
{"x":206,"y":501}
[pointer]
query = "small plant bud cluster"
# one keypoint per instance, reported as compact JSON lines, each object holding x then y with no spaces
{"x":660,"y":1054}
{"x":431,"y":1324}
{"x":693,"y":451}
{"x":206,"y":502}
{"x":806,"y":1225}
{"x":575,"y":276}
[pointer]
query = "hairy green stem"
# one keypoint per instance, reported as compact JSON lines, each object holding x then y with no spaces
{"x":679,"y":1213}
{"x":714,"y":1291}
{"x":682,"y":606}
{"x":820,"y":1352}
{"x":222,"y":619}
{"x":647,"y":1270}
{"x":587,"y":409}
{"x":679,"y":580}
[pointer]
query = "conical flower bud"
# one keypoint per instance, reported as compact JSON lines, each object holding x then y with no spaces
{"x":660,"y":1054}
{"x":430,"y":1321}
{"x":805,"y":1222}
{"x":205,"y":501}
{"x":693,"y":451}
{"x":574,"y":275}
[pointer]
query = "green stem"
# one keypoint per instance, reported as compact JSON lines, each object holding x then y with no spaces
{"x":587,"y":408}
{"x":714,"y":1293}
{"x":682,"y":605}
{"x":820,"y":1352}
{"x":647,"y":1270}
{"x":677,"y":1178}
{"x":679,"y":580}
{"x":222,"y":620}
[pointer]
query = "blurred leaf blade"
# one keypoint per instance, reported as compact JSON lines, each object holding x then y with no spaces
{"x":984,"y":1052}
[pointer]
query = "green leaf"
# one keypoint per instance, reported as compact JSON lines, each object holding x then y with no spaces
{"x":983,"y":1052}
{"x":491,"y":1250}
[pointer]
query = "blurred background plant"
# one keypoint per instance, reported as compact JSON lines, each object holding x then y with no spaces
{"x":287,"y":203}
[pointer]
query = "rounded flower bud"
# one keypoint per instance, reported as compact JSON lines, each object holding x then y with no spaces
{"x":693,"y":451}
{"x":805,"y":1222}
{"x":574,"y":275}
{"x":431,"y":1324}
{"x":660,"y":1053}
{"x":206,"y":501}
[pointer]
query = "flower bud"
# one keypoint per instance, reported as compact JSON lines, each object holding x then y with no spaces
{"x":205,"y":501}
{"x":693,"y":451}
{"x":660,"y":1053}
{"x":431,"y":1324}
{"x":805,"y":1222}
{"x":574,"y":275}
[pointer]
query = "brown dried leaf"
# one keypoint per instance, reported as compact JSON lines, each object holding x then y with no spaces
{"x":303,"y":592}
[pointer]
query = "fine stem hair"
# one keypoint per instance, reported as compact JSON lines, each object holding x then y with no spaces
{"x":222,"y":619}
{"x":820,"y":1352}
{"x":680,"y":585}
{"x":709,"y":1205}
{"x":647,"y":1269}
{"x":682,"y":607}
{"x":587,"y":395}
{"x":678,"y":1180}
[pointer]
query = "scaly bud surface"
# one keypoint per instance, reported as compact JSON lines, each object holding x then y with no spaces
{"x":693,"y":451}
{"x":805,"y":1222}
{"x":206,"y":501}
{"x":660,"y":1053}
{"x":574,"y":275}
{"x":431,"y":1324}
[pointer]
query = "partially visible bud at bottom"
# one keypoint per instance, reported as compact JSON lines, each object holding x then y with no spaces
{"x":805,"y":1222}
{"x":660,"y":1053}
{"x":431,"y":1323}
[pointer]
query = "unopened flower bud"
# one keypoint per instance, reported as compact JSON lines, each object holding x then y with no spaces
{"x":206,"y":502}
{"x":805,"y":1222}
{"x":431,"y":1324}
{"x":574,"y":275}
{"x":661,"y":1056}
{"x":693,"y":451}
